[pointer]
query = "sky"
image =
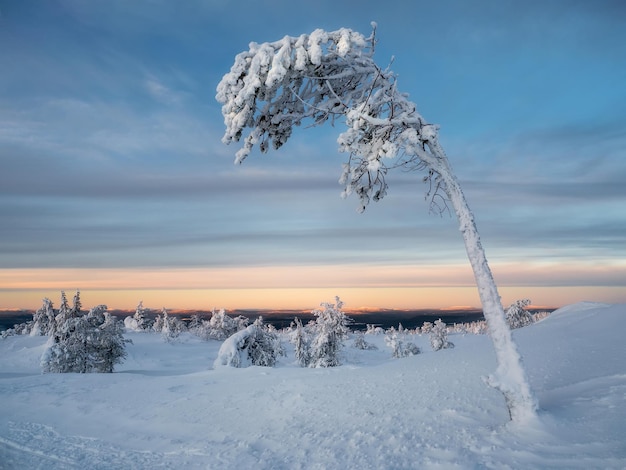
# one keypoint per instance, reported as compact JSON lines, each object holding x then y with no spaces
{"x":114,"y":179}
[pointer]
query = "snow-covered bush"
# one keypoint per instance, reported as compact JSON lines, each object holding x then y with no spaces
{"x":139,"y":321}
{"x":45,"y":318}
{"x":18,"y":329}
{"x":85,"y":343}
{"x":538,"y":316}
{"x":395,"y":340}
{"x":195,"y":323}
{"x":374,"y":330}
{"x":517,"y":316}
{"x":170,"y":326}
{"x":219,"y":327}
{"x":360,"y":343}
{"x":439,"y":336}
{"x":256,"y":345}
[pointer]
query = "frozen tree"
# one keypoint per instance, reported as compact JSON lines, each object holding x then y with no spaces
{"x":399,"y":348}
{"x":221,"y":326}
{"x":301,"y":344}
{"x":43,"y":319}
{"x":327,"y":334}
{"x":517,"y":316}
{"x":439,"y":336}
{"x":87,"y":343}
{"x":64,"y":309}
{"x":107,"y":341}
{"x":170,"y":326}
{"x":157,"y":326}
{"x":256,"y":345}
{"x":330,"y":76}
{"x":195,"y":323}
{"x":77,"y":305}
{"x":139,"y":321}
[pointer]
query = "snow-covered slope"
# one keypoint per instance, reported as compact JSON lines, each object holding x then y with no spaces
{"x":166,"y":408}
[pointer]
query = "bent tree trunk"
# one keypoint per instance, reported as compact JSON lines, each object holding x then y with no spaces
{"x":510,"y":378}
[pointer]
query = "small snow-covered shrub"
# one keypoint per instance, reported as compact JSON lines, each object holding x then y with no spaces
{"x":439,"y":336}
{"x":222,"y":326}
{"x":169,"y":326}
{"x":219,"y":327}
{"x":256,"y":345}
{"x":374,"y":330}
{"x":517,"y":316}
{"x":19,"y":329}
{"x":360,"y":343}
{"x":394,"y":339}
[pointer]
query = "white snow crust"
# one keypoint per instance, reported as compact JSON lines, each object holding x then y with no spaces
{"x":165,"y":407}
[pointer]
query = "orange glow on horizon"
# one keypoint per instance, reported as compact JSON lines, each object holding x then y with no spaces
{"x":301,"y":287}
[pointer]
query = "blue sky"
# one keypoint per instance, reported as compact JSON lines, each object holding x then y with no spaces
{"x":113,"y":178}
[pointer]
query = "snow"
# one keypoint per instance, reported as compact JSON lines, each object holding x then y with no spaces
{"x":165,"y":407}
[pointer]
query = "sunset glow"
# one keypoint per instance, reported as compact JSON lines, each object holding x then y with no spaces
{"x":296,"y":287}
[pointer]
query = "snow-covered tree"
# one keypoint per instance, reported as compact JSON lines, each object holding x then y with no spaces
{"x":301,"y":341}
{"x":43,"y":319}
{"x":400,"y":348}
{"x":77,"y":305}
{"x":426,"y":327}
{"x":221,"y":326}
{"x":256,"y":345}
{"x":64,"y":308}
{"x":328,"y":332}
{"x":195,"y":323}
{"x":517,"y":316}
{"x":157,"y":326}
{"x":328,"y":76}
{"x":107,"y":341}
{"x":439,"y":336}
{"x":87,"y":343}
{"x":169,"y":326}
{"x":138,"y":321}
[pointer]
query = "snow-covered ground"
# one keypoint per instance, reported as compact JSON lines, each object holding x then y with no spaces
{"x":165,"y":407}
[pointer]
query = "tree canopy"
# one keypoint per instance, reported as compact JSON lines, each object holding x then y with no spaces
{"x":321,"y":77}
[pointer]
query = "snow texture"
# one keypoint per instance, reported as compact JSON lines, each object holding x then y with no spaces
{"x":164,"y":407}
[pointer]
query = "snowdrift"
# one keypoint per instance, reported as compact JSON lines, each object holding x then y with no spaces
{"x":165,"y":407}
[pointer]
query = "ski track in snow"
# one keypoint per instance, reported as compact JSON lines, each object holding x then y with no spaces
{"x":165,"y":408}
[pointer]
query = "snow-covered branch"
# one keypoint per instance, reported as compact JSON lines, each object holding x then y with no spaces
{"x":275,"y":86}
